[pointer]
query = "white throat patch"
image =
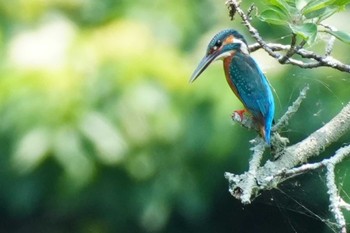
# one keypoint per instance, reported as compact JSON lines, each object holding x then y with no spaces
{"x":223,"y":56}
{"x":244,"y":47}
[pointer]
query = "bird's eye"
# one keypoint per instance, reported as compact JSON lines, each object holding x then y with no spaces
{"x":217,"y":45}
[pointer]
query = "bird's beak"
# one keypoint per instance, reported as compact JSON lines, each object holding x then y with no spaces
{"x":205,"y":62}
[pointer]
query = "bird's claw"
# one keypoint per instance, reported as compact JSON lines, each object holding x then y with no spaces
{"x":244,"y":118}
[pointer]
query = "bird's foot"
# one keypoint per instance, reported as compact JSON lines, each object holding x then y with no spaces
{"x":244,"y":118}
{"x":239,"y":113}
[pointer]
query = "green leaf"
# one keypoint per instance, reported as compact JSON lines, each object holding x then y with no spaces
{"x":288,"y":7}
{"x":323,"y":13}
{"x":316,"y":5}
{"x":291,"y":3}
{"x":342,"y":36}
{"x":282,"y":4}
{"x":32,"y":149}
{"x":273,"y":17}
{"x":341,"y":2}
{"x":307,"y":31}
{"x":280,"y":11}
{"x":300,"y":4}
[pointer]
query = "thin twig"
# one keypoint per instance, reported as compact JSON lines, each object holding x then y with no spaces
{"x":331,"y":40}
{"x":339,"y":156}
{"x":334,"y":198}
{"x":283,"y":121}
{"x":234,"y":4}
{"x":291,"y":50}
{"x":344,"y":205}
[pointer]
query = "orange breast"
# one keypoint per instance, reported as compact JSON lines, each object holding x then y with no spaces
{"x":227,"y":62}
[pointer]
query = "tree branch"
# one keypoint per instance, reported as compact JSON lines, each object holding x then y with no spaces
{"x":245,"y":194}
{"x":340,"y":155}
{"x":269,"y":175}
{"x":334,"y":198}
{"x":314,"y":59}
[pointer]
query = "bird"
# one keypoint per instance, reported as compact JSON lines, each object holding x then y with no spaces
{"x":244,"y":77}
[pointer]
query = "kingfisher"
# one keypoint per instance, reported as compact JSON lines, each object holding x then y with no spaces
{"x":244,"y":76}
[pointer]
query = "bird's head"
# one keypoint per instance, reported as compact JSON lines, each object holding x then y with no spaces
{"x":223,"y":44}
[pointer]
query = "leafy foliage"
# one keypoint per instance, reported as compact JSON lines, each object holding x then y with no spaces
{"x":303,"y":17}
{"x":345,"y":37}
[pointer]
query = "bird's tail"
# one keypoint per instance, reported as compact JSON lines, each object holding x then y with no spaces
{"x":265,"y":132}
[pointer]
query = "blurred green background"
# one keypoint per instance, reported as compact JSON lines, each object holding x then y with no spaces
{"x":101,"y":132}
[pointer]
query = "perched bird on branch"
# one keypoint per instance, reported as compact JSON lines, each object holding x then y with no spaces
{"x":244,"y":76}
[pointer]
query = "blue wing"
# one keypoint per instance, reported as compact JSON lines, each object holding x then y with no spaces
{"x":253,"y":89}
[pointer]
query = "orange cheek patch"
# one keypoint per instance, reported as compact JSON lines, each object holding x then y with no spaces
{"x":229,"y":40}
